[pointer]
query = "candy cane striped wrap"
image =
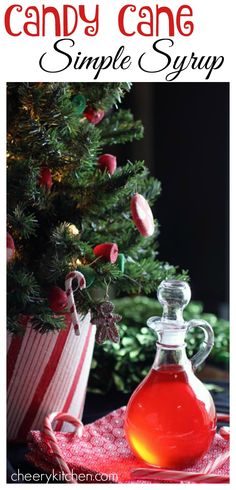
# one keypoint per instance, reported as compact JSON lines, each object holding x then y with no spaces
{"x":47,"y":373}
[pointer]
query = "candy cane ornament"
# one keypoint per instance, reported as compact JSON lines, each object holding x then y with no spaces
{"x":70,"y":295}
{"x":52,"y":441}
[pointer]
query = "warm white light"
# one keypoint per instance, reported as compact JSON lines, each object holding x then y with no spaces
{"x":73,"y":230}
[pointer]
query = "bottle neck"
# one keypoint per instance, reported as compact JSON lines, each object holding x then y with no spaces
{"x":166,"y":355}
{"x":172,"y":313}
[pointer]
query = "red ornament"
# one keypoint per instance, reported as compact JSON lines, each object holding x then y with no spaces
{"x":94,"y":116}
{"x":142,"y":215}
{"x":107,"y":162}
{"x":45,"y":179}
{"x":108,"y":251}
{"x":57,"y":299}
{"x":10,"y":247}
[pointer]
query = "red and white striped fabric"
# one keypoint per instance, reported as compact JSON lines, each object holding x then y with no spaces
{"x":47,"y":373}
{"x":101,"y":448}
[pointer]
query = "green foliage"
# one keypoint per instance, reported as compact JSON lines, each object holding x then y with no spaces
{"x":102,"y":95}
{"x":121,"y":128}
{"x":45,"y":129}
{"x":124,"y":366}
{"x":26,"y":223}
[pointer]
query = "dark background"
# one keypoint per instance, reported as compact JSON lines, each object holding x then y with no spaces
{"x":185,"y":146}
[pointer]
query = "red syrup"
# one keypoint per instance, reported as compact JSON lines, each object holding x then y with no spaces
{"x":170,"y":418}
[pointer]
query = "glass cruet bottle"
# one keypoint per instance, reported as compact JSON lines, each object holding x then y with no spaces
{"x":170,"y":419}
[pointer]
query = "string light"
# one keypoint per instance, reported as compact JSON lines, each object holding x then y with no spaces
{"x":73,"y":230}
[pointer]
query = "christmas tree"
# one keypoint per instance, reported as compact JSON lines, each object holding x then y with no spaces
{"x":70,"y":202}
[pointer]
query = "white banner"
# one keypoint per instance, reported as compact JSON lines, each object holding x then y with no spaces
{"x":113,"y":40}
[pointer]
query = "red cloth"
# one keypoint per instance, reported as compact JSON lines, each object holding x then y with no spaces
{"x":103,"y":449}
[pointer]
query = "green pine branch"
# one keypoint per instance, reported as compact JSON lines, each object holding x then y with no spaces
{"x":102,"y":95}
{"x":23,"y":223}
{"x":45,"y":128}
{"x":120,"y":128}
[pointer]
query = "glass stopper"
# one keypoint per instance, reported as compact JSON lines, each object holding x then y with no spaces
{"x":173,"y":296}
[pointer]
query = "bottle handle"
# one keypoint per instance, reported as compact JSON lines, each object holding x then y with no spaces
{"x":206,"y":345}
